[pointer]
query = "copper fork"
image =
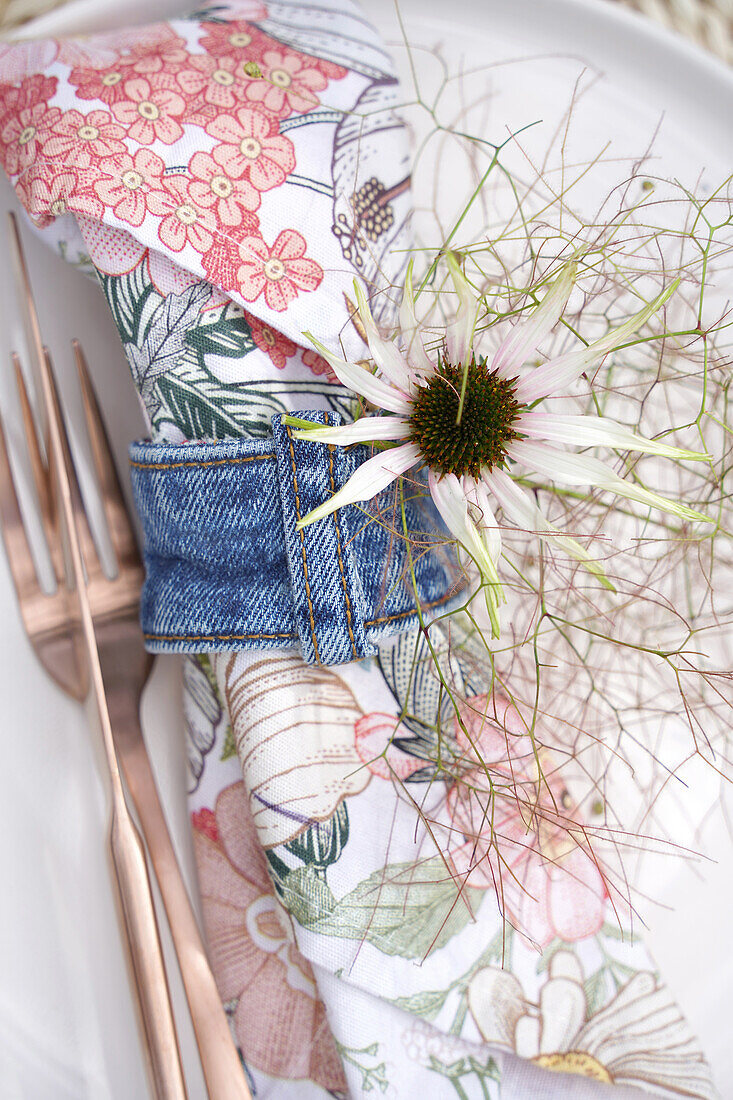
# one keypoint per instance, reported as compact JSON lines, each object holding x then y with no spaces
{"x":124,"y":666}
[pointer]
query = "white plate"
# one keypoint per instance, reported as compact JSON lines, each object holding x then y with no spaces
{"x":66,"y":1023}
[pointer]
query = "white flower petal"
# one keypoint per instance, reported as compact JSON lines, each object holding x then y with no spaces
{"x":363,"y":382}
{"x":450,"y":500}
{"x":417,"y":357}
{"x":459,"y":332}
{"x":497,"y":1003}
{"x":562,"y":1012}
{"x":482,"y":513}
{"x":526,"y":335}
{"x":596,"y":431}
{"x":386,"y":355}
{"x":559,"y":373}
{"x":520,"y":509}
{"x":372,"y":476}
{"x":361,"y":431}
{"x":572,"y":469}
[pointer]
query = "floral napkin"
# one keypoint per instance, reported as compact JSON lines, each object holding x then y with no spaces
{"x":227,"y":175}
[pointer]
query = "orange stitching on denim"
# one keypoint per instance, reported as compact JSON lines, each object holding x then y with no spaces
{"x":256,"y":637}
{"x":212,"y":462}
{"x":302,"y":549}
{"x":412,"y":611}
{"x":212,"y":637}
{"x":354,"y":650}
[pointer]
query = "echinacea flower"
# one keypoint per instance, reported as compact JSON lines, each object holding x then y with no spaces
{"x":473,"y":423}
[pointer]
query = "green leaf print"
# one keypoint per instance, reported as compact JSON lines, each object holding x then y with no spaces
{"x":403,"y":909}
{"x":322,"y":843}
{"x":131,"y":298}
{"x":229,"y":336}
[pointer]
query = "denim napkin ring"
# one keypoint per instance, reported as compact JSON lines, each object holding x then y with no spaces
{"x":227,"y":569}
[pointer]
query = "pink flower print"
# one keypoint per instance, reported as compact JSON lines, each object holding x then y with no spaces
{"x":272,"y":342}
{"x":517,"y":836}
{"x":23,"y":135}
{"x":21,"y":59}
{"x":221,"y":263}
{"x":214,"y":189}
{"x":278,"y":1019}
{"x":83,"y":138}
{"x":125,"y":182}
{"x":215,"y":81}
{"x":166,"y":55}
{"x":182,"y":222}
{"x":103,"y":48}
{"x":107,"y":84}
{"x":252,"y":147}
{"x":47,"y":196}
{"x":317,"y":364}
{"x":548,"y":885}
{"x":290,"y":83}
{"x":150,"y":113}
{"x":204,"y":821}
{"x":330,"y":69}
{"x":281,"y":271}
{"x":112,"y":250}
{"x":374,"y":735}
{"x":234,"y":39}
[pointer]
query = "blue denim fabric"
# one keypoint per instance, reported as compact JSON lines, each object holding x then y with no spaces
{"x":226,"y":568}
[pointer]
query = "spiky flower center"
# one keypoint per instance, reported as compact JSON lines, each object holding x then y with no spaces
{"x":486,"y":427}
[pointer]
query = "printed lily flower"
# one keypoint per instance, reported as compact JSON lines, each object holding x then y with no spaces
{"x":473,"y":423}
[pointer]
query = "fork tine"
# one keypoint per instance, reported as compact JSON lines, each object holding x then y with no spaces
{"x":45,"y":617}
{"x":115,"y":509}
{"x":40,"y":472}
{"x":18,"y":551}
{"x":86,"y":539}
{"x":30,"y":313}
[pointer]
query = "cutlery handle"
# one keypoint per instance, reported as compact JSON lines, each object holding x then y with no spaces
{"x":146,"y":956}
{"x":220,"y":1061}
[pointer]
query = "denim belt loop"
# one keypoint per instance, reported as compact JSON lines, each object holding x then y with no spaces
{"x":328,"y":598}
{"x":227,"y":568}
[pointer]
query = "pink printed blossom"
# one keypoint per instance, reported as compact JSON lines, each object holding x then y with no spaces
{"x":237,"y":38}
{"x":98,"y":51}
{"x":290,"y":81}
{"x":512,"y":829}
{"x":19,"y":60}
{"x":213,"y":188}
{"x":272,"y":342}
{"x":280,"y":272}
{"x":164,"y":56}
{"x":23,"y":135}
{"x":252,"y":147}
{"x":214,"y":81}
{"x":107,"y":84}
{"x":221,"y":263}
{"x":278,"y":1018}
{"x":182,"y":222}
{"x":124,"y":183}
{"x":82,"y":138}
{"x":47,"y":196}
{"x":374,"y":736}
{"x":318,"y":365}
{"x":150,"y":113}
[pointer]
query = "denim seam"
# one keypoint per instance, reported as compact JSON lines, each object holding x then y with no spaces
{"x":213,"y":637}
{"x":314,"y":639}
{"x":413,"y":610}
{"x":347,"y":600}
{"x":239,"y":637}
{"x":198,"y":463}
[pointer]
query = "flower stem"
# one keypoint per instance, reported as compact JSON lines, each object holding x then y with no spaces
{"x":461,"y":401}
